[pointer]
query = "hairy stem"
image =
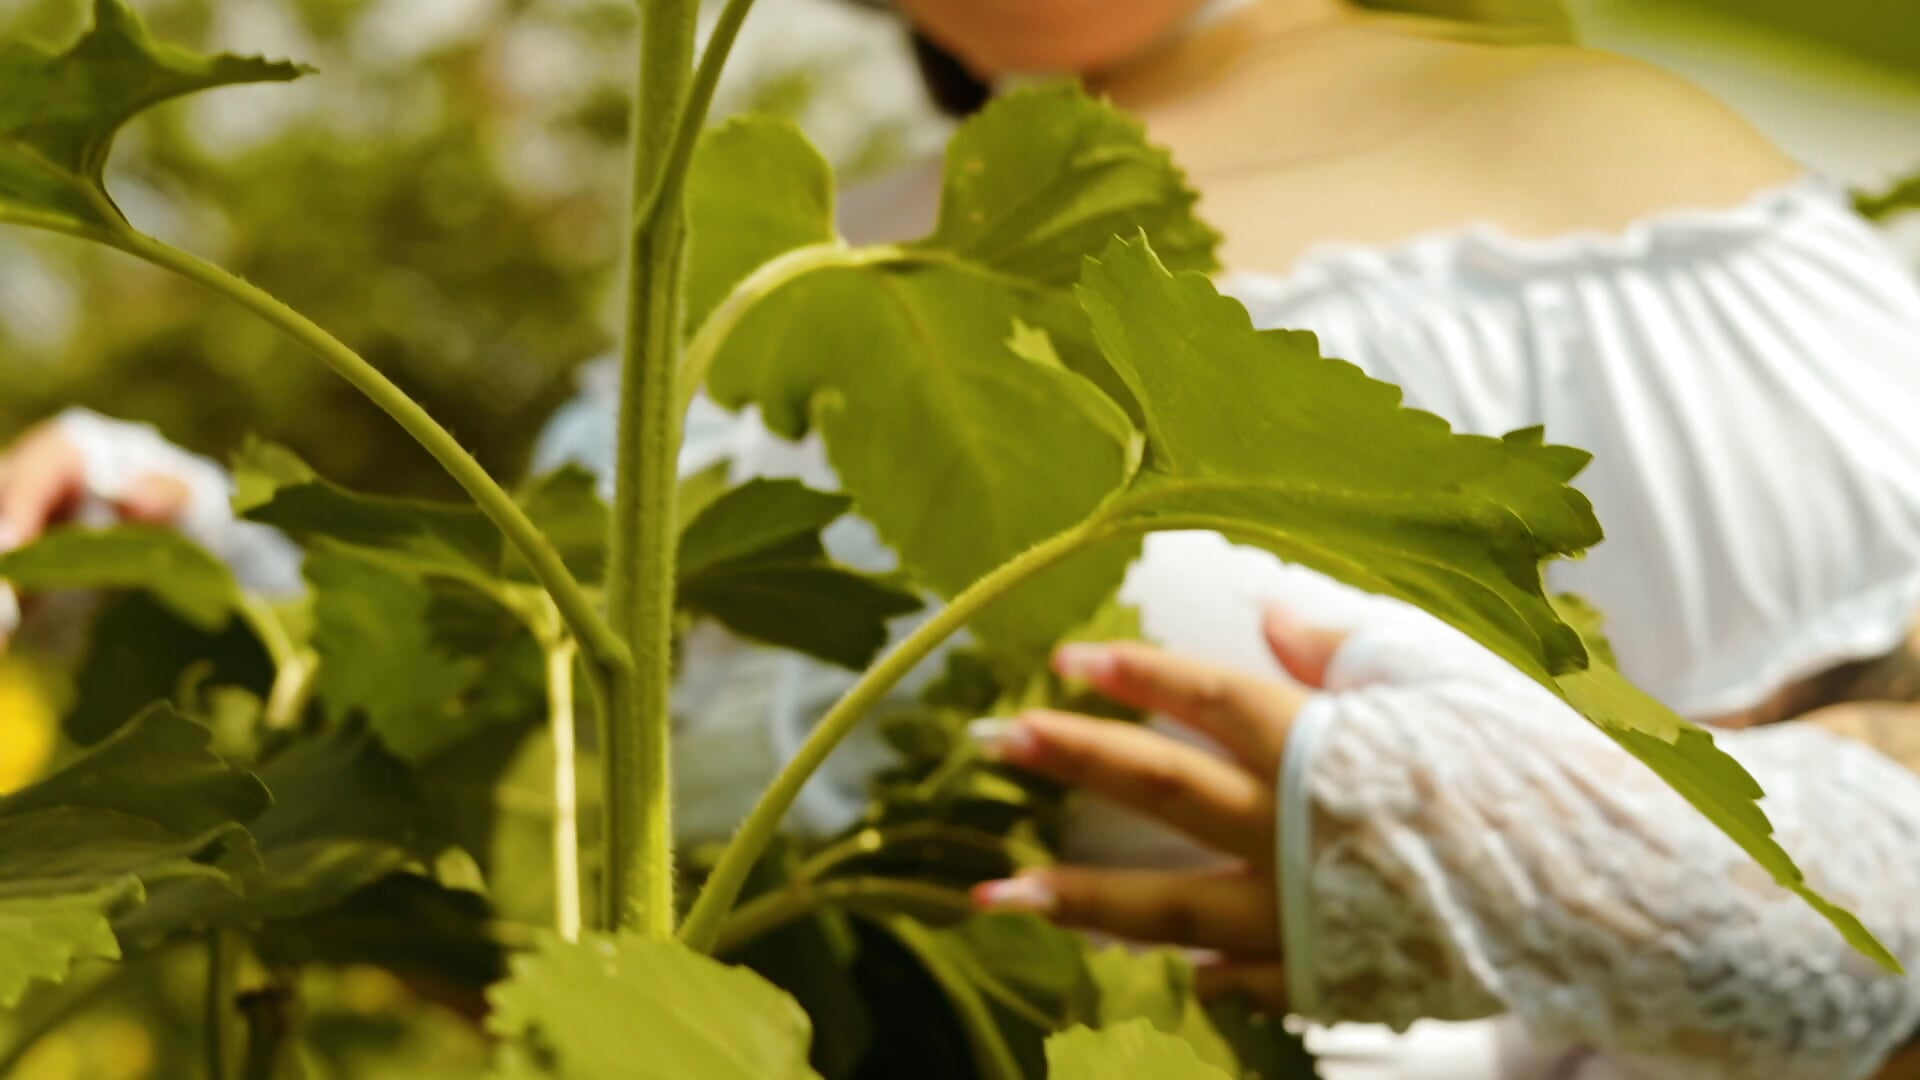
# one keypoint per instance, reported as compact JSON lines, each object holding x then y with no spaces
{"x":566,"y":799}
{"x":574,"y":603}
{"x":638,"y":875}
{"x":730,"y":873}
{"x":765,"y":914}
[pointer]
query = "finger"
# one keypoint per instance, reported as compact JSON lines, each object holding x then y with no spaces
{"x":1247,"y":714}
{"x":154,"y":500}
{"x":44,"y":478}
{"x":1211,"y":800}
{"x":1305,"y":651}
{"x":1263,"y":984}
{"x":1233,"y":911}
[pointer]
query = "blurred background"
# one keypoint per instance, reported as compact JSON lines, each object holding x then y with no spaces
{"x":444,"y":196}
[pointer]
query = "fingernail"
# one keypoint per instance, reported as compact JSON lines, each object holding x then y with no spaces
{"x":10,"y":537}
{"x":1027,"y":893}
{"x":1087,"y":663}
{"x":1001,"y":739}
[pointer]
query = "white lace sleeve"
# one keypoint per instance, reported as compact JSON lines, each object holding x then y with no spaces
{"x":1456,"y":843}
{"x":117,"y":453}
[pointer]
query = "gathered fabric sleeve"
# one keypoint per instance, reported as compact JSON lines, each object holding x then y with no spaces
{"x":1457,"y":843}
{"x":117,"y":454}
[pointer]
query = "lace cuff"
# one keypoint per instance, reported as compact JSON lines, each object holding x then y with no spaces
{"x":1455,"y":842}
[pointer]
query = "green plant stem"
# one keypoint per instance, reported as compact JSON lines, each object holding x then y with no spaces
{"x":574,"y":603}
{"x":992,"y":1056}
{"x":295,"y":670}
{"x":566,"y":798}
{"x":764,"y":914}
{"x":730,"y":873}
{"x":638,"y":864}
{"x":222,"y":1013}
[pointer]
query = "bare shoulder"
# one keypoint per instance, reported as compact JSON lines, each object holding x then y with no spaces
{"x":1587,"y":139}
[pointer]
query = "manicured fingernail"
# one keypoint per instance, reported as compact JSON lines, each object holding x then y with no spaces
{"x":1028,"y":893}
{"x":10,"y":537}
{"x":1084,"y":662}
{"x":1001,"y":739}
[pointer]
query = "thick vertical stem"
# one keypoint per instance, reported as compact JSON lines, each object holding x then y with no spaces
{"x":639,"y":828}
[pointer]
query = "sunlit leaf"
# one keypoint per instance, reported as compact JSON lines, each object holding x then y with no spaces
{"x":60,"y":112}
{"x":1046,"y":175}
{"x":1135,"y":1048}
{"x":961,"y":451}
{"x":149,"y":804}
{"x":625,"y":1008}
{"x":757,"y":189}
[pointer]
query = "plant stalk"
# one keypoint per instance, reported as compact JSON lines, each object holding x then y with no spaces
{"x":638,"y":868}
{"x":566,"y":798}
{"x":582,"y":617}
{"x":992,"y":1056}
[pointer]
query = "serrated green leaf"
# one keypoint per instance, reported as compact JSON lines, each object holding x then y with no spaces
{"x":1046,"y":175}
{"x":961,"y":452}
{"x":625,"y":1008}
{"x":176,"y":571}
{"x":380,"y":652}
{"x":753,"y":560}
{"x":346,"y":813}
{"x":757,"y":189}
{"x":59,"y":113}
{"x":1256,"y":435}
{"x":446,"y":539}
{"x":1156,"y":986}
{"x":149,"y":804}
{"x":1135,"y":1048}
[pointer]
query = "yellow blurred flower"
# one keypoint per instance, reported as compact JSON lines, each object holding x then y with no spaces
{"x":28,"y":725}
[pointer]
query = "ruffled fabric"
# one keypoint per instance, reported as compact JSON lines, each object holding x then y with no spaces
{"x":1748,"y":381}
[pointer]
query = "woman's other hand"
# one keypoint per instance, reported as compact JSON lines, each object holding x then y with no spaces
{"x":1224,"y":802}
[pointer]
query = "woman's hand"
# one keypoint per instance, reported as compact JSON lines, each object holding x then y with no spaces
{"x":1225,"y":803}
{"x":43,"y":481}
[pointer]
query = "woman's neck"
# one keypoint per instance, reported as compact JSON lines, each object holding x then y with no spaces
{"x":1198,"y":54}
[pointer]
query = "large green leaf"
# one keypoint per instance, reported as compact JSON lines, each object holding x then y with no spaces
{"x":753,"y":559}
{"x":964,"y":438}
{"x":59,"y":113}
{"x":1046,"y":175}
{"x":149,"y":804}
{"x":1256,"y":435}
{"x":757,"y":189}
{"x":139,"y":651}
{"x":346,"y":813}
{"x":179,"y":573}
{"x":1135,"y":1048}
{"x":625,"y":1008}
{"x":962,"y":451}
